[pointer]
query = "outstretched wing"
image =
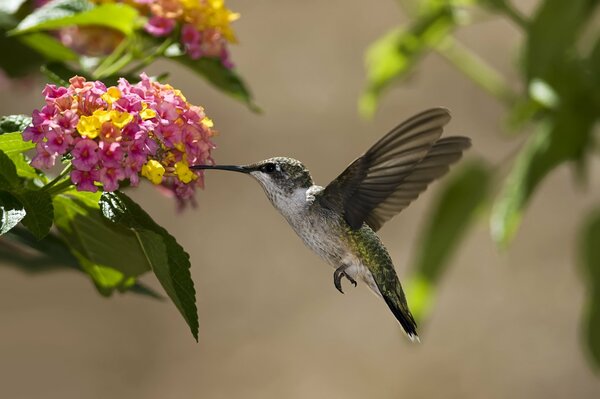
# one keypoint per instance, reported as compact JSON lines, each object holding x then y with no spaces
{"x":395,"y":170}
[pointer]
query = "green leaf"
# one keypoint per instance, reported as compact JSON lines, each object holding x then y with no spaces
{"x":13,"y":123}
{"x":12,"y":143}
{"x":61,"y":13}
{"x":11,"y":212}
{"x":49,"y":47}
{"x":50,"y":254}
{"x":393,"y":56}
{"x":590,"y":266}
{"x":11,"y":6}
{"x":452,"y":214}
{"x":13,"y":146}
{"x":8,"y":172}
{"x":22,"y":61}
{"x":109,"y":253}
{"x":564,"y":136}
{"x":40,"y":211}
{"x":224,"y":79}
{"x":549,"y":47}
{"x":170,"y":263}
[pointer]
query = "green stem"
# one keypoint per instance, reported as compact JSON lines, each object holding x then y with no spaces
{"x":513,"y":14}
{"x":160,"y":50}
{"x":63,"y":186}
{"x":62,"y":174}
{"x":477,"y":70}
{"x":110,"y":60}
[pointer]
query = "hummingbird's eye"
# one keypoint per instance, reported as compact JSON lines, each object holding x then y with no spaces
{"x":269,"y":167}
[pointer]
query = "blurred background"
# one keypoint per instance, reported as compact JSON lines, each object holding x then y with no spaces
{"x":505,"y":323}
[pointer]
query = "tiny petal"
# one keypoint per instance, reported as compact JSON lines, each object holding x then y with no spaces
{"x":153,"y":171}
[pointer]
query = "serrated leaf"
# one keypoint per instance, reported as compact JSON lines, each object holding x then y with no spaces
{"x":109,"y":253}
{"x":24,"y":169}
{"x":224,"y":79}
{"x":61,"y":13}
{"x":8,"y":172}
{"x":12,"y":143}
{"x":51,"y":254}
{"x":170,"y":263}
{"x":447,"y":223}
{"x":393,"y":56}
{"x":40,"y":211}
{"x":13,"y":123}
{"x":11,"y":212}
{"x":590,"y":266}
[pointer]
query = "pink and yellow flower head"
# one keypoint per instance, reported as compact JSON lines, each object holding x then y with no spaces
{"x":205,"y":24}
{"x":122,"y":132}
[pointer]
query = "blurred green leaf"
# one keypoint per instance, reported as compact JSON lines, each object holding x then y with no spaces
{"x":24,"y":169}
{"x":224,"y":79}
{"x":11,"y":6}
{"x":109,"y":253}
{"x":170,"y":263}
{"x":40,"y":211}
{"x":452,"y":214}
{"x":49,"y":47}
{"x":563,"y":137}
{"x":552,"y":35}
{"x":17,"y":59}
{"x":61,"y":13}
{"x":11,"y":212}
{"x":393,"y":56}
{"x":590,"y":265}
{"x":13,"y":123}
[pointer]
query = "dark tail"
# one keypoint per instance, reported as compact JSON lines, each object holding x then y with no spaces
{"x":397,"y":304}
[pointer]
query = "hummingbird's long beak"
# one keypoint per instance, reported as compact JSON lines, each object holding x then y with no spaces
{"x":234,"y":168}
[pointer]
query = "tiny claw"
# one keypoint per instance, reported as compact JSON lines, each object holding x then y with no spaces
{"x":337,"y":277}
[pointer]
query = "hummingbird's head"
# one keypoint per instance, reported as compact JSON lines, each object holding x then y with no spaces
{"x":281,"y":178}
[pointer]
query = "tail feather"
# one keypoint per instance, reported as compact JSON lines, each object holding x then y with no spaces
{"x":397,"y":304}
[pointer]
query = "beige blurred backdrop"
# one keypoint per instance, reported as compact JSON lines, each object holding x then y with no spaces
{"x":505,"y":324}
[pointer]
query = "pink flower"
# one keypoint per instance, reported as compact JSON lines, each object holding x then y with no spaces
{"x":110,"y":177}
{"x":57,"y":142}
{"x":84,"y":180}
{"x":111,"y":154}
{"x":159,"y":26}
{"x":85,"y":155}
{"x":43,"y":158}
{"x":123,"y":132}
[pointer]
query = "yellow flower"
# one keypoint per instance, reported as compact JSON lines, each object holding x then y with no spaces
{"x":102,"y":115}
{"x":120,"y":119}
{"x":147,"y":113}
{"x":207,"y":122}
{"x":153,"y":171}
{"x":111,"y":95}
{"x":184,"y":173}
{"x":89,"y":126}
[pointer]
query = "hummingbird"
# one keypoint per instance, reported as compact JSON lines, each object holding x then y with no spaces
{"x":339,"y":222}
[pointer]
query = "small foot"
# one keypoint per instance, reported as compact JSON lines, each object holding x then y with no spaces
{"x":337,"y":277}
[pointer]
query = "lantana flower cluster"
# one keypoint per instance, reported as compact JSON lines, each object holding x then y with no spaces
{"x":205,"y":24}
{"x":121,"y":132}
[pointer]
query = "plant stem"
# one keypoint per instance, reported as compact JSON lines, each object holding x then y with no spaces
{"x":64,"y":185}
{"x":477,"y":70}
{"x":513,"y":14}
{"x":110,"y":60}
{"x":160,"y":50}
{"x":62,"y":174}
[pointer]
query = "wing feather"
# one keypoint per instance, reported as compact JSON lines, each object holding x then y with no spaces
{"x":395,"y":170}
